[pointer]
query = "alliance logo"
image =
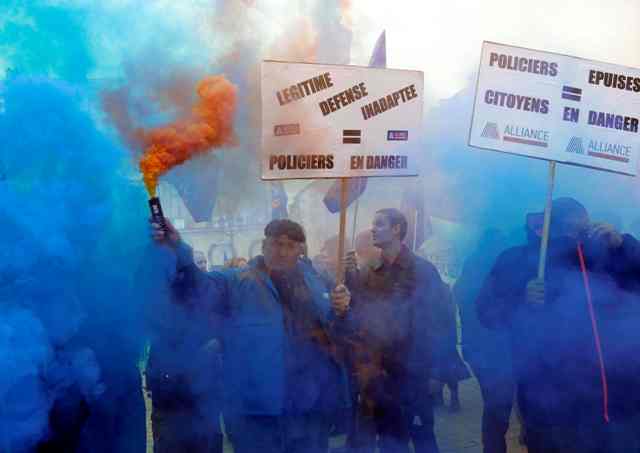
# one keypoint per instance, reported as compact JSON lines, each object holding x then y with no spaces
{"x":575,"y":146}
{"x":609,"y":151}
{"x":491,"y":131}
{"x":600,"y":149}
{"x":286,"y":129}
{"x":397,"y":135}
{"x":526,"y":136}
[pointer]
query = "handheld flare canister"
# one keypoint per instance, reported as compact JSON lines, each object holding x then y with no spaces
{"x":156,"y":212}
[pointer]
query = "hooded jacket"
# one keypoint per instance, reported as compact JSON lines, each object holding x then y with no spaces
{"x":553,"y":346}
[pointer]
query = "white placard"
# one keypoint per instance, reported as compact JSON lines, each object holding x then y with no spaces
{"x":329,"y":121}
{"x":557,"y":107}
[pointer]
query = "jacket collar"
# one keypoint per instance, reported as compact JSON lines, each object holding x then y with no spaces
{"x":404,"y":260}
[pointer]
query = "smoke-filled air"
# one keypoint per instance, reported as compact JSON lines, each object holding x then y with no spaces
{"x":159,"y":294}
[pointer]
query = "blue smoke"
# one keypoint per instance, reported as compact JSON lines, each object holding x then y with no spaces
{"x":45,"y":40}
{"x":72,"y":231}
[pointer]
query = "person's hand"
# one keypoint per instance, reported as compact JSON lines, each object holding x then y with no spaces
{"x":604,"y":233}
{"x":535,"y":292}
{"x":167,"y":235}
{"x":340,"y":300}
{"x":350,"y":262}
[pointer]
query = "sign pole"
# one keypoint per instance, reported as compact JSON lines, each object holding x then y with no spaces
{"x":342,"y":232}
{"x":547,"y":221}
{"x":354,"y":233}
{"x":355,"y":224}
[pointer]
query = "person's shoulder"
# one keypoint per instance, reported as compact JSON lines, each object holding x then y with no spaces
{"x":423,"y":265}
{"x":228,"y":274}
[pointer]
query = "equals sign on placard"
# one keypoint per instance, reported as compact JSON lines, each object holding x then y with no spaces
{"x":351,"y":136}
{"x":571,"y":93}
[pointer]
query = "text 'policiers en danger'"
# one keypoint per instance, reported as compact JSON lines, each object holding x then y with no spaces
{"x":344,"y":98}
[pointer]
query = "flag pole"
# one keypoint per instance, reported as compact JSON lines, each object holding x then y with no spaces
{"x":415,"y":230}
{"x":544,"y":243}
{"x":342,"y":231}
{"x":355,"y":218}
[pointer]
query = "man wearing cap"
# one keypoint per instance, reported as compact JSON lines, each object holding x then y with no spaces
{"x":282,"y":376}
{"x":574,"y":347}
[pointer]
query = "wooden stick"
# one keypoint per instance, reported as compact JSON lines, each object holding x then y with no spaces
{"x":547,"y":221}
{"x":355,"y":224}
{"x":355,"y":216}
{"x":342,"y":232}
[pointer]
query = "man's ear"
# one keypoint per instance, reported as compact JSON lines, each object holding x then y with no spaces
{"x":396,"y":230}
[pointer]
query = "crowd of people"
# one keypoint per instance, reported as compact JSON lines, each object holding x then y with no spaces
{"x":287,"y":353}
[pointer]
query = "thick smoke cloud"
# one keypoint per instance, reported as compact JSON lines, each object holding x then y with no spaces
{"x":70,"y":245}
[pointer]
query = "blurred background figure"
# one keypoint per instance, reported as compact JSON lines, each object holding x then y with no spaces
{"x":487,"y":352}
{"x":236,"y":262}
{"x":200,"y":260}
{"x":450,"y":369}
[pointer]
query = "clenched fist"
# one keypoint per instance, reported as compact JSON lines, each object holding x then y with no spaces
{"x":340,"y":300}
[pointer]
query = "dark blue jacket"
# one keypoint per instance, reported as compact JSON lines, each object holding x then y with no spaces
{"x":265,"y":368}
{"x":395,"y":313}
{"x":554,"y":354}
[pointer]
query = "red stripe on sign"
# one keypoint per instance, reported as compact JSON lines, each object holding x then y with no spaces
{"x":525,"y":141}
{"x":351,"y":140}
{"x":609,"y":156}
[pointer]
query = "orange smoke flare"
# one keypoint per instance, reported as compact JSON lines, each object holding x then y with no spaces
{"x":346,"y":11}
{"x":209,"y":125}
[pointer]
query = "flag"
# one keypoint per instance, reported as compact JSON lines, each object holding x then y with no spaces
{"x":279,"y":201}
{"x":379,"y":55}
{"x":356,"y":186}
{"x":196,"y":181}
{"x":419,"y":222}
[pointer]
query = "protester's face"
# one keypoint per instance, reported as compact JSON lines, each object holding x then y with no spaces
{"x":281,"y":253}
{"x":201,"y":262}
{"x":381,"y":231}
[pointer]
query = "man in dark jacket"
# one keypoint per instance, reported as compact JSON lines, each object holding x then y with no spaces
{"x":182,"y":367}
{"x":282,"y":379}
{"x":486,"y":351}
{"x":566,"y":388}
{"x":391,"y":347}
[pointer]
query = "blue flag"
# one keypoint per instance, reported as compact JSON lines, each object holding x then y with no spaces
{"x":379,"y":55}
{"x":196,"y":181}
{"x":279,"y":201}
{"x":356,"y":186}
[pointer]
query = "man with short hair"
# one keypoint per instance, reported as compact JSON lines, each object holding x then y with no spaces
{"x":391,"y":312}
{"x":276,"y":321}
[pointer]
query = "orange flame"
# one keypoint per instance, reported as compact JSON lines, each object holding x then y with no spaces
{"x":209,"y":125}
